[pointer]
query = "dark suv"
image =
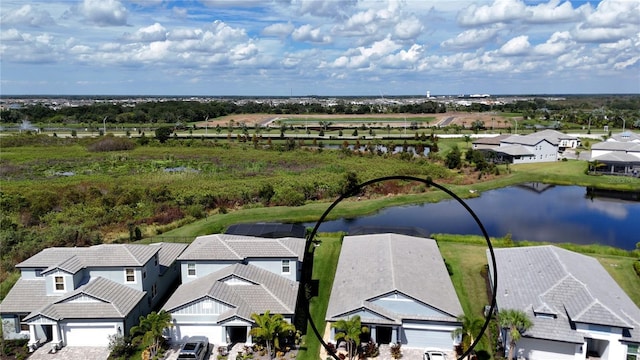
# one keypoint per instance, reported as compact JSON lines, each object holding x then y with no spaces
{"x":196,"y":348}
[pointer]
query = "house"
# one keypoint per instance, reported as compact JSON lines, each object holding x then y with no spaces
{"x":81,"y":296}
{"x":226,"y":278}
{"x":619,"y":155}
{"x":577,"y":310}
{"x":400,"y":288}
{"x":541,"y":146}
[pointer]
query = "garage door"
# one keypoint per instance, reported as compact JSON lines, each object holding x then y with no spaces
{"x":212,"y":332}
{"x":420,"y":338}
{"x":87,"y":335}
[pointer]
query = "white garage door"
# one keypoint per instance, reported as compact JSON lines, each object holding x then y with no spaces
{"x":428,"y":339}
{"x":213,"y":332}
{"x":87,"y":335}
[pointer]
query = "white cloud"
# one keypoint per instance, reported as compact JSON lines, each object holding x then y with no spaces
{"x":155,"y":32}
{"x":408,"y":28}
{"x":517,"y":46}
{"x":472,"y":38}
{"x":551,"y":12}
{"x":278,"y":30}
{"x":498,"y":12}
{"x":324,"y":8}
{"x":11,"y":35}
{"x":557,"y":44}
{"x":104,"y":12}
{"x":308,"y":33}
{"x":602,"y":34}
{"x":27,"y":15}
{"x":615,"y":13}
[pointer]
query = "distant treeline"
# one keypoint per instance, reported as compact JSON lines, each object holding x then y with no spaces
{"x":612,"y":110}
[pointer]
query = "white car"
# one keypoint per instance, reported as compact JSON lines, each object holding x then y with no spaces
{"x":434,"y":355}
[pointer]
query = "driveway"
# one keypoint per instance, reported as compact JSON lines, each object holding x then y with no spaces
{"x":70,"y":353}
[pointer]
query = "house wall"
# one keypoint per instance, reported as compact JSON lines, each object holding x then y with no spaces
{"x":117,"y":274}
{"x":275,"y":266}
{"x":69,"y":282}
{"x":399,"y":304}
{"x":203,"y":268}
{"x":615,"y":349}
{"x":537,"y":349}
{"x":11,"y":327}
{"x":542,"y":151}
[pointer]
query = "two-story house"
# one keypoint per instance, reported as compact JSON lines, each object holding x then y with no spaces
{"x":541,"y":146}
{"x":226,"y":278}
{"x":81,"y":296}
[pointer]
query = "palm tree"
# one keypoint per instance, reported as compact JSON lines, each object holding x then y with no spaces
{"x":471,"y":326}
{"x":150,"y":329}
{"x":516,"y":322}
{"x":269,"y":328}
{"x":349,"y":330}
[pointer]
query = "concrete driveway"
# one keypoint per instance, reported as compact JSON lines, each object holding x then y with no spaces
{"x":70,"y":353}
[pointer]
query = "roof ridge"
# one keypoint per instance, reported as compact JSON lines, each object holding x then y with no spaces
{"x":390,"y":253}
{"x":126,"y":247}
{"x":279,"y":240}
{"x":224,"y":243}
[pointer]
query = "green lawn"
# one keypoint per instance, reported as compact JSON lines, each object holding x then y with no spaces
{"x":324,"y":268}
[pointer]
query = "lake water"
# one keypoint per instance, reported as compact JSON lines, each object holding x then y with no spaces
{"x":535,"y":212}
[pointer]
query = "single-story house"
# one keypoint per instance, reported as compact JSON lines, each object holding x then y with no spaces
{"x":400,"y":288}
{"x":577,"y":309}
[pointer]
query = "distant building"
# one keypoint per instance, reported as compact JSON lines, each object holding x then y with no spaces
{"x":541,"y":146}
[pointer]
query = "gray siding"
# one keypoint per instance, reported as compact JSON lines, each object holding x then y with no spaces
{"x":275,"y":266}
{"x":402,"y":305}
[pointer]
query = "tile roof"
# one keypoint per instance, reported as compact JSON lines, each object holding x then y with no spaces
{"x":573,"y":287}
{"x":239,"y":247}
{"x":512,"y":150}
{"x":617,"y":157}
{"x":26,"y":296}
{"x":371,"y":266}
{"x":168,"y":253}
{"x":73,"y":260}
{"x":616,"y":146}
{"x":264,"y":291}
{"x":112,"y":300}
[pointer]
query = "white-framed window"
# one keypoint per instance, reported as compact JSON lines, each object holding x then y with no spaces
{"x":286,"y":267}
{"x":191,"y":269}
{"x":633,"y":352}
{"x":58,"y":283}
{"x":129,"y":275}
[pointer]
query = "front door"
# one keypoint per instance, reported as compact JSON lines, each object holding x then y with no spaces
{"x":237,"y":334}
{"x":383,"y":334}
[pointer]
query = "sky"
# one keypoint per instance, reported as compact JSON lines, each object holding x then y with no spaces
{"x":318,"y":47}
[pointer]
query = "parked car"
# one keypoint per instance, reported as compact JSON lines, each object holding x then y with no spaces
{"x":196,"y":347}
{"x":434,"y":355}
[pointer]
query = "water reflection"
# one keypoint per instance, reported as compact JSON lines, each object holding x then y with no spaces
{"x":531,"y":212}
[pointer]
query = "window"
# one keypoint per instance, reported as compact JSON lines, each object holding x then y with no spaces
{"x":633,"y":352}
{"x":22,"y":325}
{"x":59,"y":283}
{"x":144,"y":273}
{"x":154,"y":290}
{"x":286,"y":267}
{"x":129,"y":275}
{"x":191,"y":269}
{"x":155,"y":260}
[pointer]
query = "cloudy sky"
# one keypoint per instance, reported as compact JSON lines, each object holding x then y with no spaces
{"x":319,"y":47}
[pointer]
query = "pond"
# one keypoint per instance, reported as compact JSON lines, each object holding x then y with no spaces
{"x":535,"y":212}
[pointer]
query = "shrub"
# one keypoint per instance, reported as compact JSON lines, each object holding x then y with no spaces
{"x":636,"y":267}
{"x":111,"y":143}
{"x":396,"y":351}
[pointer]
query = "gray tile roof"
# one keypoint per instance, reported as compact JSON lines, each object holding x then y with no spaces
{"x":513,"y":150}
{"x":168,"y":253}
{"x":616,"y":146}
{"x":239,"y":247}
{"x":571,"y":286}
{"x":266,"y":291}
{"x":73,"y":260}
{"x":551,"y":136}
{"x":113,"y":301}
{"x":26,"y":296}
{"x":371,"y":266}
{"x":626,"y":136}
{"x":617,"y":156}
